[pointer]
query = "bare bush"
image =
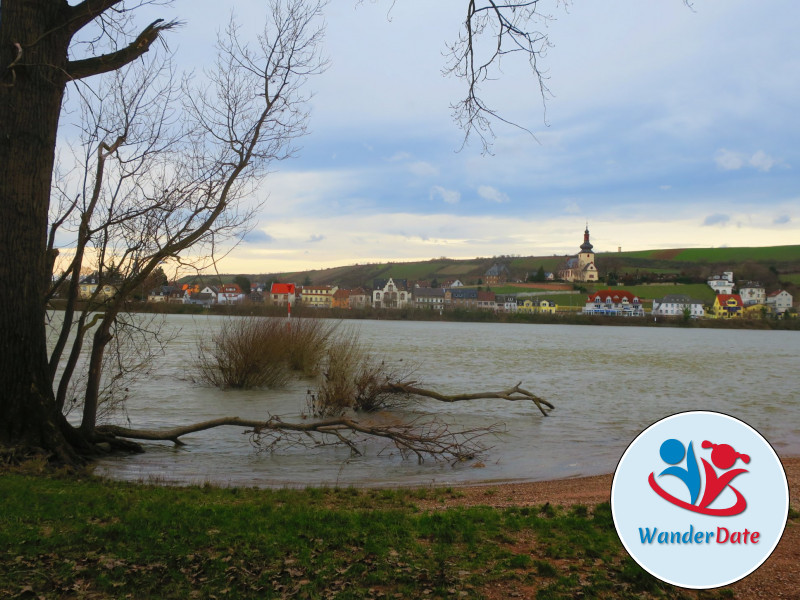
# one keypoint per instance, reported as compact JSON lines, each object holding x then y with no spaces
{"x":308,"y":344}
{"x":253,"y":352}
{"x":353,"y":378}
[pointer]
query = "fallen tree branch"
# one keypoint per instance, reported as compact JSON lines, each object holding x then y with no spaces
{"x":512,"y":394}
{"x":421,"y":438}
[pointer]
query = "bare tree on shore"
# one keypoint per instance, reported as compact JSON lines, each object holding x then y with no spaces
{"x":151,"y":187}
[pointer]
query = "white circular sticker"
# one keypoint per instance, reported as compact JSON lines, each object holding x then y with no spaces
{"x":699,"y":499}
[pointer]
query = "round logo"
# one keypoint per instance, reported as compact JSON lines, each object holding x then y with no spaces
{"x":699,"y":499}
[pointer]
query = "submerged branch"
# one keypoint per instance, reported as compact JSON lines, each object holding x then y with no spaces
{"x":421,"y":438}
{"x":511,"y":394}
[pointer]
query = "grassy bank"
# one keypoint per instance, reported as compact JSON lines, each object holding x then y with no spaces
{"x":80,"y":537}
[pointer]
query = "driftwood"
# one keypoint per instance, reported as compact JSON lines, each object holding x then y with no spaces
{"x":421,"y":438}
{"x":512,"y":394}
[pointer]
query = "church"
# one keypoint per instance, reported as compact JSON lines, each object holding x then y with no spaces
{"x":581,"y":267}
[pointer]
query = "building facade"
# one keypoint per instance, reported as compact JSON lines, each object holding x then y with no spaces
{"x":230,"y":293}
{"x":618,"y":303}
{"x":496,"y":275}
{"x":779,"y":301}
{"x":581,"y":268}
{"x":390,"y":293}
{"x":678,"y":305}
{"x":727,"y":306}
{"x":752,"y":293}
{"x":282,"y":294}
{"x":318,"y":296}
{"x":721,"y":284}
{"x":428,"y":297}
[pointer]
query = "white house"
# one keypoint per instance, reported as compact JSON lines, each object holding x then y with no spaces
{"x":506,"y":303}
{"x":282,"y":293}
{"x":722,"y":284}
{"x":427,"y":297}
{"x":614,"y":303}
{"x":674,"y":305}
{"x":779,"y":301}
{"x":230,"y":293}
{"x":390,"y":294}
{"x":752,"y":293}
{"x":452,"y":283}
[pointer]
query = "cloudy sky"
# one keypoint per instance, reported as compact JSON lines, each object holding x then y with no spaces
{"x":667,"y":127}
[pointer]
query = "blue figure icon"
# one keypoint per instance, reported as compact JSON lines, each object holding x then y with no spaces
{"x":672,"y":452}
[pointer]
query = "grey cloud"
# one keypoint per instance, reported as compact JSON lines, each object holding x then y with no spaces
{"x":257,"y":236}
{"x":716,"y":219}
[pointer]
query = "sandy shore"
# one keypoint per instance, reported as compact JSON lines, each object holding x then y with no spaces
{"x":778,"y":577}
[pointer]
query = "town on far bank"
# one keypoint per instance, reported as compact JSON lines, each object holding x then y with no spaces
{"x":580,"y":284}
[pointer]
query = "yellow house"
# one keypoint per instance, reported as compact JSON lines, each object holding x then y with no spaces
{"x":537,"y":306}
{"x":755,"y":311}
{"x":727,"y":306}
{"x":88,"y":290}
{"x":319,"y":296}
{"x":546,"y":307}
{"x":525,"y":307}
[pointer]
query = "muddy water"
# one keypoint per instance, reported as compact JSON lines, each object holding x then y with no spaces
{"x":607,"y":384}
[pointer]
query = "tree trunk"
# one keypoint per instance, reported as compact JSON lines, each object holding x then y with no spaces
{"x":33,"y":54}
{"x":91,"y":399}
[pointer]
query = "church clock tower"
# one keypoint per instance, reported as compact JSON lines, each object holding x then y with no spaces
{"x":586,"y":267}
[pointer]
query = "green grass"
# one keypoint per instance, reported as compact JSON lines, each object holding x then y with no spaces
{"x":697,"y":291}
{"x":532,"y":263}
{"x":758,"y":254}
{"x":88,"y":538}
{"x":415,"y":271}
{"x":767,"y":254}
{"x":791,"y":278}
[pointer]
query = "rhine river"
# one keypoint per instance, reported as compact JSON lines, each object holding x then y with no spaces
{"x":607,"y":384}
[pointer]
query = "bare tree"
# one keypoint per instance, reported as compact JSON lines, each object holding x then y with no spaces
{"x":493,"y":33}
{"x":154,"y":188}
{"x":156,"y":181}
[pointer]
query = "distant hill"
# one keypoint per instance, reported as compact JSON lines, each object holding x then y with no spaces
{"x":770,"y":265}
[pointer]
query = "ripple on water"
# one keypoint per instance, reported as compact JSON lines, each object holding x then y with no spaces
{"x":607,"y":383}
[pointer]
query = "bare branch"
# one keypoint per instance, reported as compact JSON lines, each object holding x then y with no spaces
{"x":422,"y":439}
{"x":492,"y":33}
{"x":512,"y":394}
{"x":78,"y":69}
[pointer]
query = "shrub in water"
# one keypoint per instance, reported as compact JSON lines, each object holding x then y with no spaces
{"x":251,"y":352}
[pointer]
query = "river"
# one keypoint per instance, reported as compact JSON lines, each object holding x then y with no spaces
{"x":607,"y":384}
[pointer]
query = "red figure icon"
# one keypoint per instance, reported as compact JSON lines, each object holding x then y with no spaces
{"x":724,"y":457}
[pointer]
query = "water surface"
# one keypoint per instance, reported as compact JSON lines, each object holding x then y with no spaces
{"x":607,"y":383}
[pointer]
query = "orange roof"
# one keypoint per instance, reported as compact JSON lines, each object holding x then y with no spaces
{"x":723,"y":298}
{"x":282,"y":288}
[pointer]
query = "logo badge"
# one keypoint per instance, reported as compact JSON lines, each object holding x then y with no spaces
{"x":699,"y":499}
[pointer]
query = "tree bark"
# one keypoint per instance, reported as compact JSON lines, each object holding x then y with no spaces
{"x":33,"y":53}
{"x":35,"y":36}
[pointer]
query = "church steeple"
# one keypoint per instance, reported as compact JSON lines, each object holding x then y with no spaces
{"x":586,"y":246}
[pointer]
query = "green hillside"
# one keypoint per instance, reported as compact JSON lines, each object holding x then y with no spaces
{"x":774,"y":266}
{"x":766,"y":254}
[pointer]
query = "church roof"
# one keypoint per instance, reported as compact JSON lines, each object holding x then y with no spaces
{"x":586,"y":246}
